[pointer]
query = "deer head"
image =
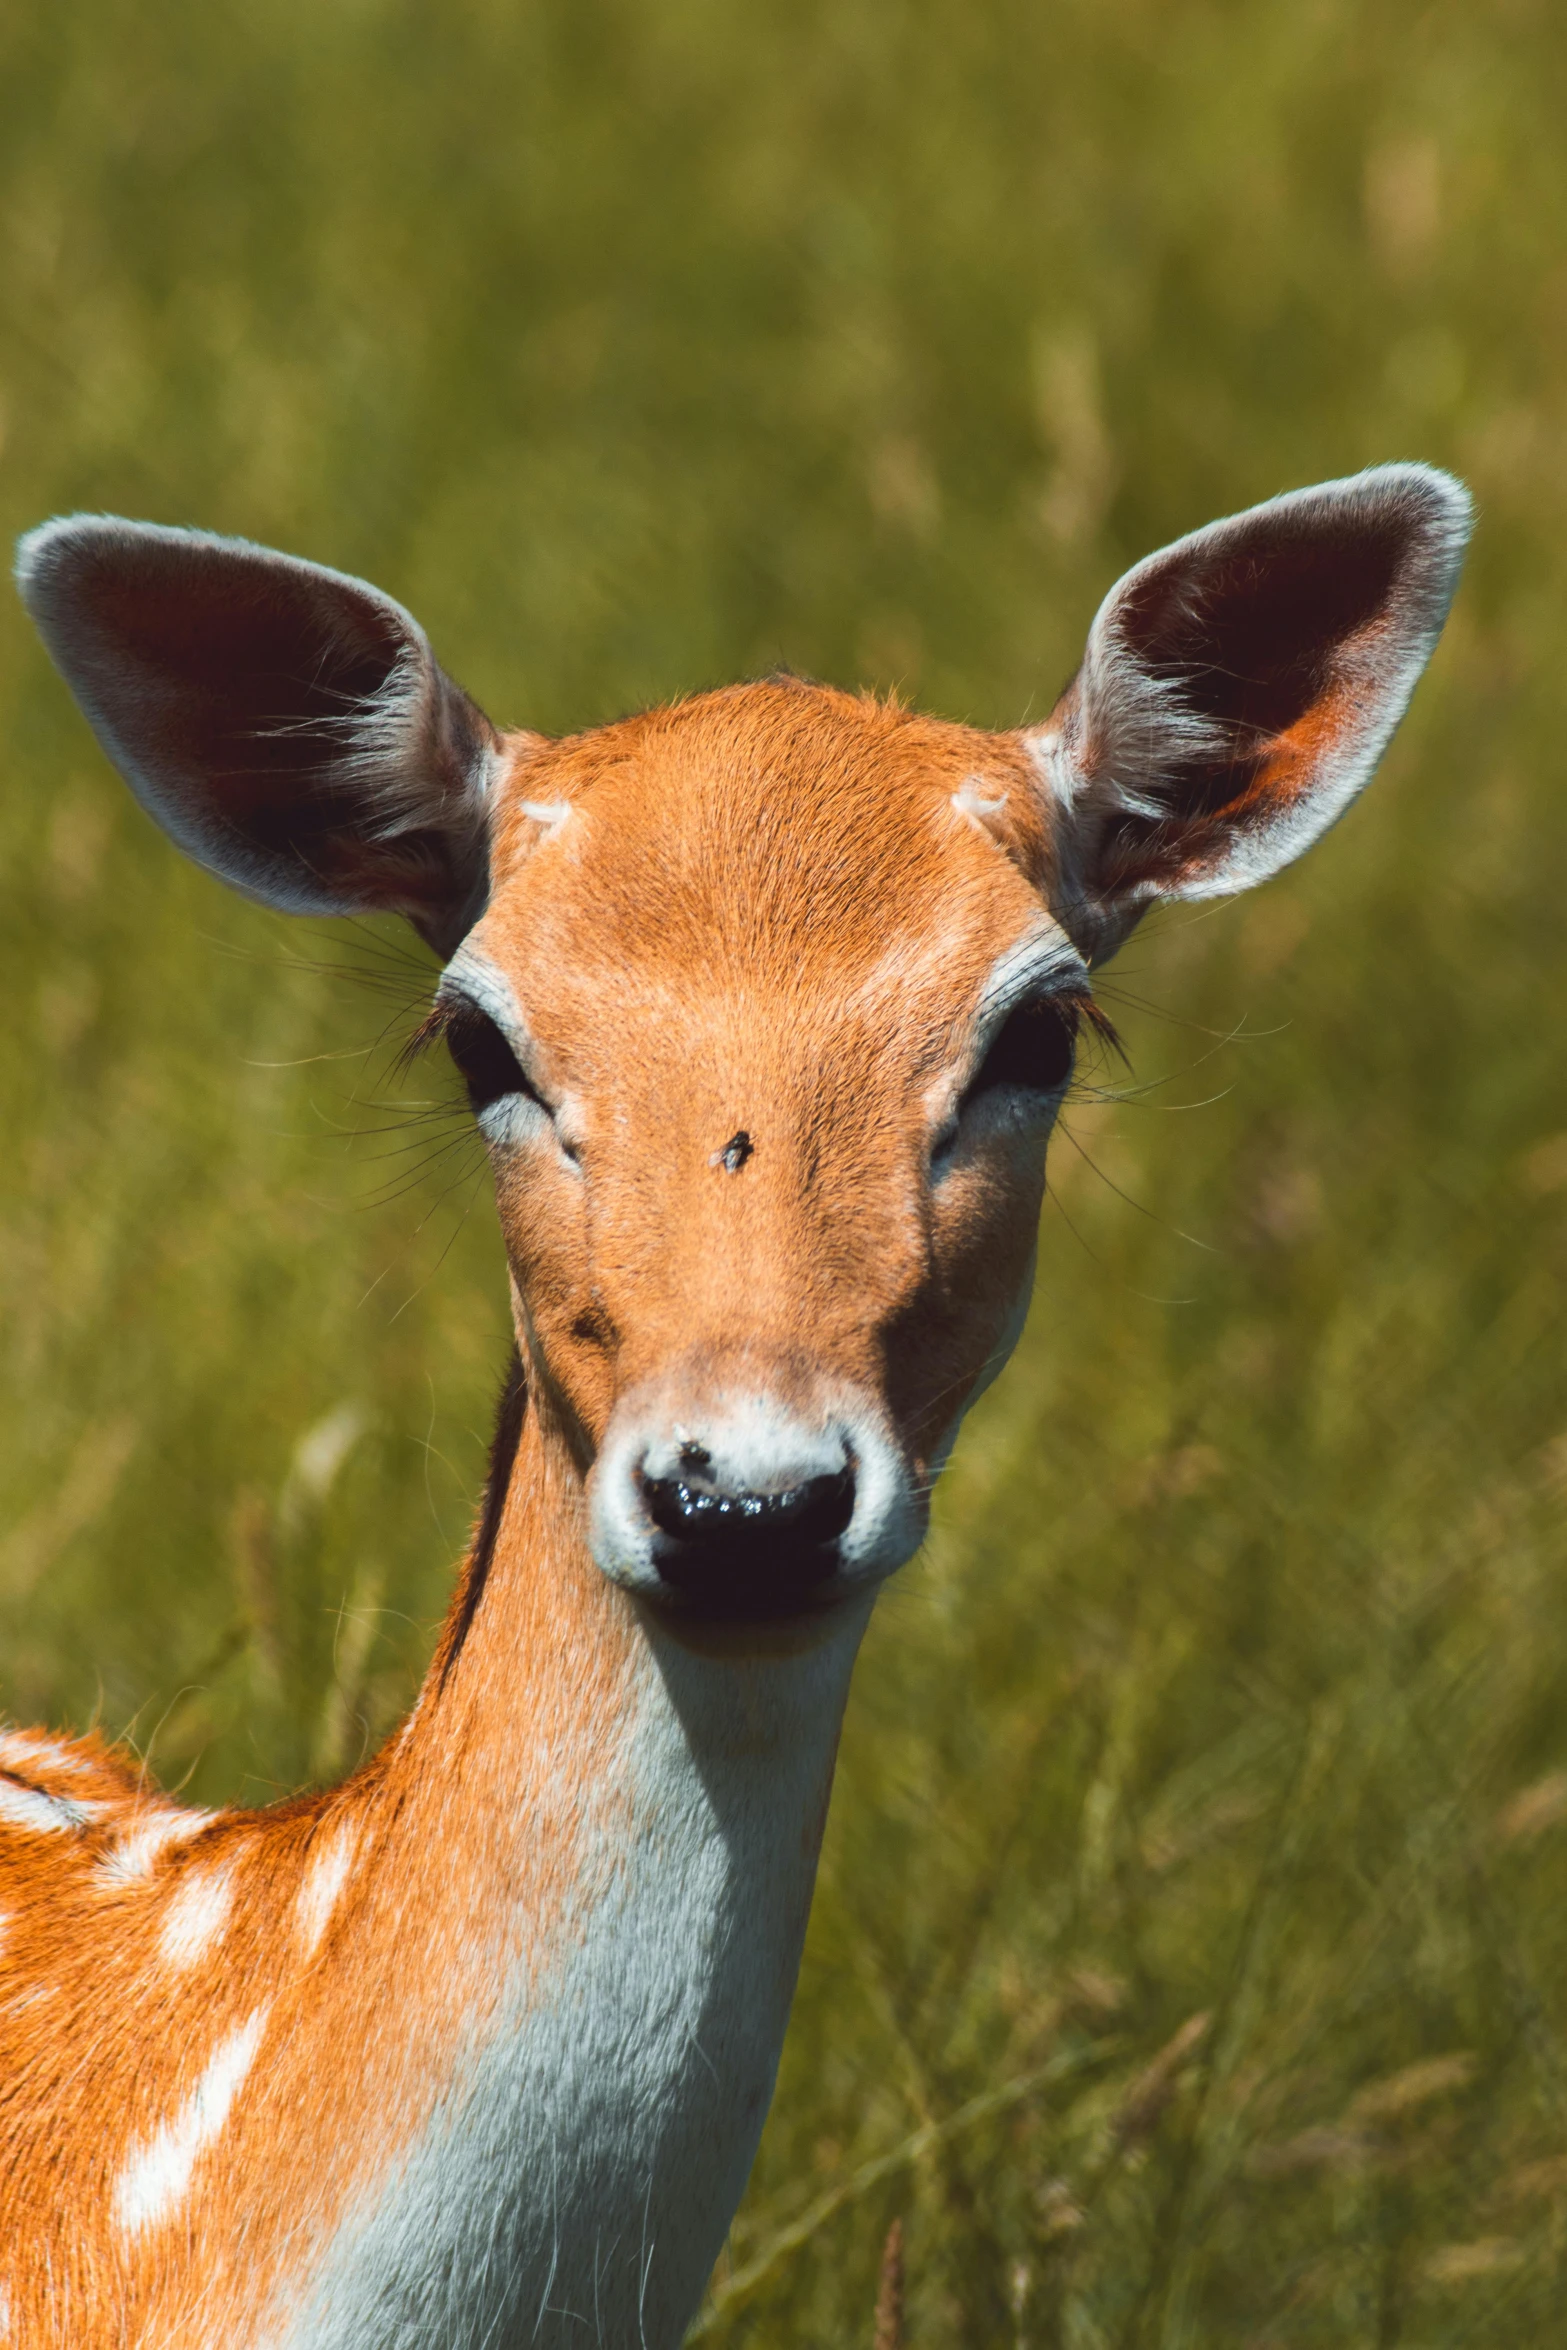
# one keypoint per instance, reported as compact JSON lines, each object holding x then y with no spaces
{"x":765,"y":1001}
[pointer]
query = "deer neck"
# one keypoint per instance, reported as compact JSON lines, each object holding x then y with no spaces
{"x":600,"y":1845}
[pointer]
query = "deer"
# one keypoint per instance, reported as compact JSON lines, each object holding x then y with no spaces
{"x":765,"y":1002}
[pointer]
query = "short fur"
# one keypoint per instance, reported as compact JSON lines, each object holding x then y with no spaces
{"x":475,"y":2048}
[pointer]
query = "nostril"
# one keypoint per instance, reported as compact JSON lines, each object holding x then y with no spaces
{"x":691,"y":1511}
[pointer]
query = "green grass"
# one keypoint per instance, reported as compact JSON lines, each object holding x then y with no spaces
{"x":640,"y":347}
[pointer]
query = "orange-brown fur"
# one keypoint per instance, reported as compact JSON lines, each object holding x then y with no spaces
{"x":805,"y":980}
{"x":775,"y":911}
{"x":99,"y":2036}
{"x":692,"y":852}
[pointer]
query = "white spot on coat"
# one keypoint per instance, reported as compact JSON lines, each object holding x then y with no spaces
{"x":49,"y":1815}
{"x":133,"y":1860}
{"x":326,"y":1873}
{"x":197,"y":1913}
{"x":29,"y":1750}
{"x":157,"y":2176}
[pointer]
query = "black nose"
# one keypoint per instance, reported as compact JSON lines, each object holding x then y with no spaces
{"x":747,"y":1554}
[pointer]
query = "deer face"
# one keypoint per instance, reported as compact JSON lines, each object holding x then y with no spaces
{"x":766,"y":1002}
{"x":766,"y":1029}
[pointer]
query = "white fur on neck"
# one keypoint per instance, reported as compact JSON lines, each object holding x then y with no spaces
{"x":632,"y":2074}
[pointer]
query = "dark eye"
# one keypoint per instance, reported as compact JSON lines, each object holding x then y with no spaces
{"x":1033,"y":1050}
{"x":485,"y":1061}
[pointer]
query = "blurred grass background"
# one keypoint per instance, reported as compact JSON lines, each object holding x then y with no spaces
{"x":1190,"y":1963}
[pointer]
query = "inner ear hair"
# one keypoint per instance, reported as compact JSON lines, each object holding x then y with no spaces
{"x":286,"y":724}
{"x":1239,"y":687}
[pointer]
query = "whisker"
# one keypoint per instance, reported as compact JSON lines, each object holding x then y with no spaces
{"x":411,"y":1178}
{"x":1151,"y":1214}
{"x":451,"y":1238}
{"x":1054,"y":1197}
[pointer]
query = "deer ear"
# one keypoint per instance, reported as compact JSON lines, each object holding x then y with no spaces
{"x":1239,"y":688}
{"x":286,"y":725}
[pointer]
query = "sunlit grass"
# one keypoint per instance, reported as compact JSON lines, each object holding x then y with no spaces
{"x":1189,"y":1956}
